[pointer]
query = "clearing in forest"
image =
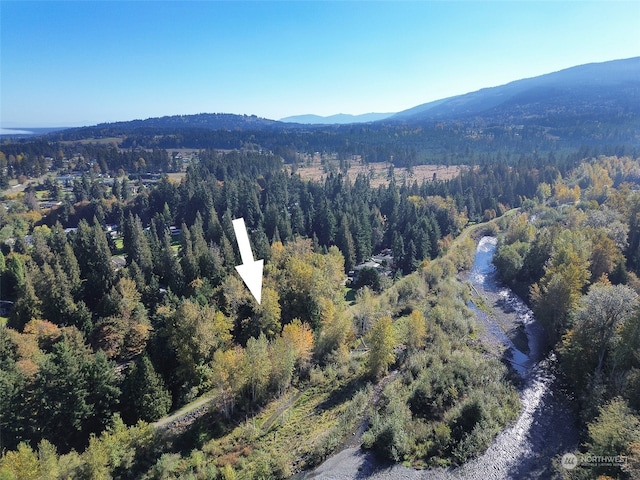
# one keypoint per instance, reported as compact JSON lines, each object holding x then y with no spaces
{"x":379,"y":172}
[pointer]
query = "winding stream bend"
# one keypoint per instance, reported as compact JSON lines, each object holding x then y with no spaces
{"x":546,"y":425}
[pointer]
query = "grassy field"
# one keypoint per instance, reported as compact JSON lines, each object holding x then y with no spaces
{"x":378,"y":172}
{"x":99,"y":141}
{"x":176,"y":177}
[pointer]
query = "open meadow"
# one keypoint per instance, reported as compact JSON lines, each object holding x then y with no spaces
{"x":317,"y":170}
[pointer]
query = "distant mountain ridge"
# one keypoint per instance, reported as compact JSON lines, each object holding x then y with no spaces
{"x":338,"y":119}
{"x":587,"y":105}
{"x":595,"y":88}
{"x":210,"y":121}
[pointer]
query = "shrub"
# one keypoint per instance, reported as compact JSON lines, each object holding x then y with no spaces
{"x":389,"y":436}
{"x":470,"y":415}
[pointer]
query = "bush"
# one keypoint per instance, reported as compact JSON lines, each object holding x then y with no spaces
{"x":470,"y":415}
{"x":389,"y":435}
{"x":509,"y":262}
{"x":430,"y":401}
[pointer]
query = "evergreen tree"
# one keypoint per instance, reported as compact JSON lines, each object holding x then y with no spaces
{"x":61,"y":405}
{"x":344,"y":241}
{"x":188,"y":260}
{"x":27,"y":307}
{"x":103,"y":392}
{"x":324,"y":224}
{"x":144,"y":395}
{"x":136,"y":245}
{"x":94,"y":259}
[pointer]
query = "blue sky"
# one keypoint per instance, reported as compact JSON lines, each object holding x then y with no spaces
{"x":79,"y":62}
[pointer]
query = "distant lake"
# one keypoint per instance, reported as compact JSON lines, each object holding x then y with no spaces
{"x":12,"y":131}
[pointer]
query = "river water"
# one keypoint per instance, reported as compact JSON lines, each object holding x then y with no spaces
{"x":546,"y":427}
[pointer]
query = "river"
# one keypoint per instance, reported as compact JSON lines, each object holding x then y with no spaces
{"x":546,"y":427}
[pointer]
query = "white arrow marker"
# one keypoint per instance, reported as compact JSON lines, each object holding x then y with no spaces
{"x":250,"y":270}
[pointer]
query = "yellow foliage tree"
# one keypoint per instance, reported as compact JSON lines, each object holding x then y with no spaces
{"x":21,"y":464}
{"x":196,"y":332}
{"x":416,"y":330}
{"x":381,"y":347}
{"x":226,"y":374}
{"x":300,"y":337}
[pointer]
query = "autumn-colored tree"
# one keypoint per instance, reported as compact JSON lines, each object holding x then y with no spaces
{"x":236,"y":296}
{"x":266,"y":318}
{"x":560,"y":289}
{"x":564,"y":194}
{"x":416,"y":330}
{"x":605,"y":255}
{"x":381,"y":344}
{"x":195,"y":333}
{"x":304,"y":277}
{"x":366,"y":311}
{"x":20,"y":464}
{"x":300,"y":337}
{"x":613,"y":433}
{"x":335,"y":332}
{"x":257,"y":366}
{"x":283,"y":360}
{"x":227,"y":376}
{"x":45,"y":332}
{"x":519,"y":230}
{"x":125,"y":333}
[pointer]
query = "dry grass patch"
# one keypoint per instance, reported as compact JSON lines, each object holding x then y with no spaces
{"x":379,"y":172}
{"x":176,"y":177}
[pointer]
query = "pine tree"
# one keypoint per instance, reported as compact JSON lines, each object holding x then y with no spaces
{"x":94,"y":259}
{"x":188,"y":260}
{"x":344,"y":241}
{"x":324,"y":224}
{"x":27,"y":307}
{"x":61,"y":405}
{"x":144,"y":395}
{"x":136,"y":245}
{"x":103,"y":391}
